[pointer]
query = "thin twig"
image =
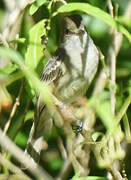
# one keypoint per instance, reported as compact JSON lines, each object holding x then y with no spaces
{"x":110,"y":6}
{"x":123,"y":109}
{"x":117,"y":42}
{"x":66,"y":169}
{"x":12,"y":167}
{"x":36,"y":170}
{"x":112,"y":61}
{"x":101,"y":82}
{"x":17,"y":103}
{"x":61,"y":147}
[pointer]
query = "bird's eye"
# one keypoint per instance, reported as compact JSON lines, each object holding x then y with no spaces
{"x":67,"y":31}
{"x":81,"y":31}
{"x":77,"y":126}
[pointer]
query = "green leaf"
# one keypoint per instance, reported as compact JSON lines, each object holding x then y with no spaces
{"x":96,"y":135}
{"x":96,"y":12}
{"x":127,"y":128}
{"x":124,"y":20}
{"x":56,"y":163}
{"x":40,"y":87}
{"x":14,"y":77}
{"x":20,"y":139}
{"x":8,"y":69}
{"x":123,"y":109}
{"x":78,"y":177}
{"x":102,"y":107}
{"x":34,"y":51}
{"x":29,"y":115}
{"x":19,"y":40}
{"x":34,"y":7}
{"x":105,"y":113}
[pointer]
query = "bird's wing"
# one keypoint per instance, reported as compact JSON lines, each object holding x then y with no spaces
{"x":52,"y":70}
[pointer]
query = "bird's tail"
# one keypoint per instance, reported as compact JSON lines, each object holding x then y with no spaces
{"x":34,"y":146}
{"x":41,"y":128}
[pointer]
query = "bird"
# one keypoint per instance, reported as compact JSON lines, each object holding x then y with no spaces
{"x":70,"y":70}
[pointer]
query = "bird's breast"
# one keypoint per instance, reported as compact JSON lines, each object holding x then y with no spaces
{"x":78,"y":67}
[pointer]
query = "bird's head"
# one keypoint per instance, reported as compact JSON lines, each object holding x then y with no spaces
{"x":73,"y":25}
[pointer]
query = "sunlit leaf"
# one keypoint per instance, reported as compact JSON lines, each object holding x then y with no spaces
{"x":102,"y":107}
{"x":97,"y":135}
{"x":19,"y":40}
{"x":78,"y":177}
{"x":34,"y":51}
{"x":8,"y":69}
{"x":34,"y":7}
{"x":125,"y":21}
{"x":30,"y":75}
{"x":96,"y":12}
{"x":14,"y":77}
{"x":29,"y":115}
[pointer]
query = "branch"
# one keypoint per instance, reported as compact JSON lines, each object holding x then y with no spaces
{"x":13,"y":168}
{"x":102,"y":78}
{"x":8,"y":145}
{"x":115,"y":173}
{"x":17,"y":103}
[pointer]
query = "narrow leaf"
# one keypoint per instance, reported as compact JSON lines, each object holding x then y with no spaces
{"x":30,"y":75}
{"x":19,"y":40}
{"x":35,"y":6}
{"x":96,"y":12}
{"x":97,"y":135}
{"x":102,"y":107}
{"x":34,"y":51}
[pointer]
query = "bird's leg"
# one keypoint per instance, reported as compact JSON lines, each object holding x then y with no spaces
{"x":67,"y":114}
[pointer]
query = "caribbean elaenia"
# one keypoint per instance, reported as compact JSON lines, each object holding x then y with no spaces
{"x":71,"y":70}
